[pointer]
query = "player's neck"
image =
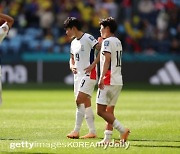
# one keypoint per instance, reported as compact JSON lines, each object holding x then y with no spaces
{"x":79,"y":34}
{"x":109,"y":35}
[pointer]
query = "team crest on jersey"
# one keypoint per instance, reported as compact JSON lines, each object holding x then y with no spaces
{"x":106,"y":43}
{"x":118,"y":43}
{"x":91,"y":38}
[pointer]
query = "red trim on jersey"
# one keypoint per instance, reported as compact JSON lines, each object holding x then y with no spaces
{"x":107,"y":78}
{"x":93,"y":74}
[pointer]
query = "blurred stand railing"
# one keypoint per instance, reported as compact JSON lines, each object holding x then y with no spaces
{"x":155,"y":69}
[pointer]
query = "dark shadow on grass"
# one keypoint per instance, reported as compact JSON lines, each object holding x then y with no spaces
{"x":11,"y":139}
{"x":20,"y":152}
{"x":35,"y":86}
{"x":151,"y":140}
{"x":156,"y":146}
{"x":62,"y":86}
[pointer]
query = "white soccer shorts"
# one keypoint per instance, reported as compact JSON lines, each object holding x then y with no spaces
{"x":83,"y":84}
{"x":108,"y":95}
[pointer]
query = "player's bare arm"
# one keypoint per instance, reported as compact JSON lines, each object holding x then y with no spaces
{"x":71,"y":64}
{"x":98,"y":48}
{"x":90,"y":67}
{"x":7,"y":19}
{"x":105,"y":69}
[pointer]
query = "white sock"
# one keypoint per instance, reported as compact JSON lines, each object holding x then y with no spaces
{"x":89,"y":116}
{"x":117,"y":125}
{"x":107,"y":135}
{"x":80,"y":112}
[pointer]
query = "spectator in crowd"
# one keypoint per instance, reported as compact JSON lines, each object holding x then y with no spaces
{"x":139,"y":23}
{"x":134,"y":31}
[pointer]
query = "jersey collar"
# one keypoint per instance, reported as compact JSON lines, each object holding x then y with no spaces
{"x":81,"y":36}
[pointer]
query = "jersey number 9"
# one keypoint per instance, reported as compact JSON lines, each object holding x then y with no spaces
{"x":77,"y":57}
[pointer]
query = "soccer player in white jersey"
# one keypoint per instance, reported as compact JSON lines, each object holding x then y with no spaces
{"x":110,"y":82}
{"x":82,"y":56}
{"x":6,"y":23}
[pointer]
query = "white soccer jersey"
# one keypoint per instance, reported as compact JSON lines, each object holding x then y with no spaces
{"x":113,"y":75}
{"x":84,"y":54}
{"x":3,"y":31}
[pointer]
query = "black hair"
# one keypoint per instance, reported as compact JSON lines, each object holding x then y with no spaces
{"x":72,"y":22}
{"x":110,"y":22}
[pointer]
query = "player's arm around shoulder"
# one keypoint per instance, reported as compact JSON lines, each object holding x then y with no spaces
{"x":90,"y":67}
{"x":98,"y":48}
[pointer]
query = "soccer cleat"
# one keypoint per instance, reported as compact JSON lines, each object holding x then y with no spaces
{"x":125,"y":135}
{"x":89,"y":135}
{"x":73,"y":135}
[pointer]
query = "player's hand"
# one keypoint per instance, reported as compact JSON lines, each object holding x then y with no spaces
{"x":101,"y":84}
{"x":74,"y":70}
{"x":100,"y":39}
{"x":88,"y":69}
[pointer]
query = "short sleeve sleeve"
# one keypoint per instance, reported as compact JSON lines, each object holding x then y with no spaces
{"x":106,"y":46}
{"x":92,"y":41}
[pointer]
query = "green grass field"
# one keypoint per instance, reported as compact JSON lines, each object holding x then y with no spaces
{"x":43,"y":115}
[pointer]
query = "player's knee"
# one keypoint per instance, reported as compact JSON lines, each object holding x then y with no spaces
{"x":100,"y":113}
{"x":81,"y":99}
{"x":78,"y":100}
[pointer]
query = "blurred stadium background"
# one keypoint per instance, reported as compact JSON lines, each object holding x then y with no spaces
{"x":37,"y":49}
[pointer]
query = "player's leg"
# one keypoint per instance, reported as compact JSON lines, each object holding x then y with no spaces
{"x":86,"y":90}
{"x":80,"y":102}
{"x":80,"y":113}
{"x":109,"y":128}
{"x":124,"y":132}
{"x":109,"y":109}
{"x":109,"y":117}
{"x":80,"y":110}
{"x":89,"y":117}
{"x":83,"y":90}
{"x":102,"y":101}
